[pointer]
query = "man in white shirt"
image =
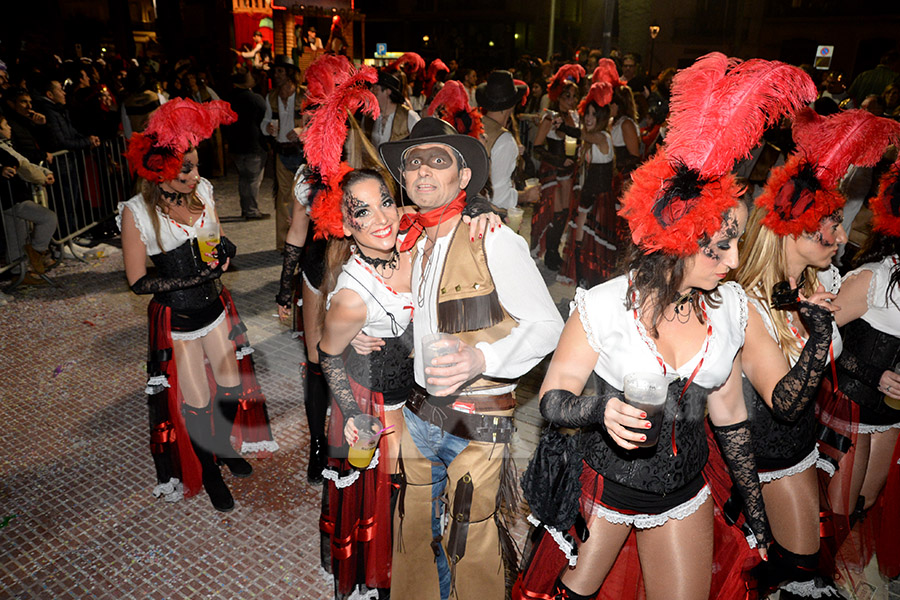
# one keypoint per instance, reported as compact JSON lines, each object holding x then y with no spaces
{"x":283,"y":121}
{"x":488,"y":294}
{"x":497,"y":97}
{"x":395,"y":119}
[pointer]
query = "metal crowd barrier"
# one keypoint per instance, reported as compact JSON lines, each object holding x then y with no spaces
{"x":88,"y":188}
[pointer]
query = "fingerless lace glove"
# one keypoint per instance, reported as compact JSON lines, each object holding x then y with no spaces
{"x":155,"y":285}
{"x":334,"y":369}
{"x":574,"y":132}
{"x":565,"y":409}
{"x":796,"y":389}
{"x":737,"y":450}
{"x":288,"y":267}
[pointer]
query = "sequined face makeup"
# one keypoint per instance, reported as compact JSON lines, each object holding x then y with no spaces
{"x":717,"y":255}
{"x":189,"y":176}
{"x":828,"y":232}
{"x":817,"y":249}
{"x":726,"y":237}
{"x":370,"y":216}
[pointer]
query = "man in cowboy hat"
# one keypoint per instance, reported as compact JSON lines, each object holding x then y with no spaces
{"x":498,"y":97}
{"x":283,"y":121}
{"x":396,"y":118}
{"x":490,"y":296}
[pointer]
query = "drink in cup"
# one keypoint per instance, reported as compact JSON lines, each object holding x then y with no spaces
{"x":360,"y":454}
{"x":208,"y":237}
{"x":274,"y":125}
{"x":514,"y":218}
{"x":434,"y":345}
{"x":647,"y":392}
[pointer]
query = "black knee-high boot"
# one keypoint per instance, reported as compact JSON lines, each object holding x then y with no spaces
{"x":561,"y":592}
{"x":579,"y":275}
{"x":225,"y":408}
{"x":198,"y":422}
{"x":796,"y":574}
{"x":552,"y":259}
{"x":316,"y":404}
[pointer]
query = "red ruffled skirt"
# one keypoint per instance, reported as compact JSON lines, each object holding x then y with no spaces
{"x":356,"y":508}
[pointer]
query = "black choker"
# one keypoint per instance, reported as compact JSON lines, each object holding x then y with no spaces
{"x":683,"y":307}
{"x":386,"y":263}
{"x":172,"y":197}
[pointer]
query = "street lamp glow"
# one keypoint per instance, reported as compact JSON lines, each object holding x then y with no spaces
{"x":425,"y":38}
{"x":491,"y":43}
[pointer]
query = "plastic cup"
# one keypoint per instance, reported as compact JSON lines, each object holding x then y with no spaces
{"x":531,"y":182}
{"x":208,"y":238}
{"x":360,"y":454}
{"x":274,"y":123}
{"x":647,"y":392}
{"x":514,"y":218}
{"x":434,"y":345}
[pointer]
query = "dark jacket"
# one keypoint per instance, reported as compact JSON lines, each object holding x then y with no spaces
{"x":244,"y":136}
{"x":25,"y":135}
{"x":61,"y":133}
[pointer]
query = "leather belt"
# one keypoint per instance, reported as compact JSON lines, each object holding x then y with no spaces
{"x":470,"y":426}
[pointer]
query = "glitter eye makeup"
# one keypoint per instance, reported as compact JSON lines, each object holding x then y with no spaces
{"x":435,"y":157}
{"x":826,"y":235}
{"x":724,"y":238}
{"x":358,"y":213}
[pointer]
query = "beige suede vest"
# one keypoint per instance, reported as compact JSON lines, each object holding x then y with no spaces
{"x":399,"y":127}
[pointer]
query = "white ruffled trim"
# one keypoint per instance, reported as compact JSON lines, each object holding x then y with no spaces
{"x":394,"y":406}
{"x":877,"y":428}
{"x":606,"y":244}
{"x":579,"y":302}
{"x":171,"y":491}
{"x":155,"y":383}
{"x":564,"y":545}
{"x":199,"y":333}
{"x":359,"y":594}
{"x":809,"y":589}
{"x":742,"y":302}
{"x":807,"y":462}
{"x":350,"y":478}
{"x":263,"y":446}
{"x":242,"y":352}
{"x":644,"y":521}
{"x":310,"y":287}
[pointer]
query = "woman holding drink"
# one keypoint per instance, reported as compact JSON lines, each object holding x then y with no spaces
{"x":670,"y":317}
{"x":193,"y":416}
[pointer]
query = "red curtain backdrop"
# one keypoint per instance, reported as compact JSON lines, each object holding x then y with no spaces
{"x":246,"y":23}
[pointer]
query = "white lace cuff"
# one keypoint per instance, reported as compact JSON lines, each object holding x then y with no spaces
{"x":171,"y":491}
{"x":351,"y":477}
{"x":156,"y":384}
{"x":263,"y":446}
{"x":564,"y":545}
{"x":581,"y":304}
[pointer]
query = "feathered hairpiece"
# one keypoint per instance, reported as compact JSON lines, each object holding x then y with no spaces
{"x":606,"y":71}
{"x":412,"y":62}
{"x":329,"y":71}
{"x":520,"y":83}
{"x":600,"y":94}
{"x":570,"y":72}
{"x":325,"y":212}
{"x":431,"y":75}
{"x":327,"y":130}
{"x":801,"y":193}
{"x":719,"y":109}
{"x":157,"y":153}
{"x":451,"y":104}
{"x":886,"y":205}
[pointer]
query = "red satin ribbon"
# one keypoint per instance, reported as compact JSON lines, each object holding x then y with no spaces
{"x":415,"y":223}
{"x":164,"y":433}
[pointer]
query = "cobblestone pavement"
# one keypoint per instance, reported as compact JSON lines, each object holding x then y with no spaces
{"x":77,"y":519}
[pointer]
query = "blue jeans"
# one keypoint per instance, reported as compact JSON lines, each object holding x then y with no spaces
{"x":441,"y":448}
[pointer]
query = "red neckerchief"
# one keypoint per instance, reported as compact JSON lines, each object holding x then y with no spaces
{"x":415,"y":223}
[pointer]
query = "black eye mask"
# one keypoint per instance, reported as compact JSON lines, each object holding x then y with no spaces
{"x":435,"y":157}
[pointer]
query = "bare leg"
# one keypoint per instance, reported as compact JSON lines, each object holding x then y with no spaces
{"x":676,"y":558}
{"x":881,"y":451}
{"x":191,"y":372}
{"x":792,"y":505}
{"x":220,"y":352}
{"x":843,"y":494}
{"x":596,"y":556}
{"x":312,"y":330}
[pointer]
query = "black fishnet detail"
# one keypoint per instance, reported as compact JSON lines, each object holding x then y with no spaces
{"x":155,"y":285}
{"x":798,"y":388}
{"x":292,"y":255}
{"x":565,"y":409}
{"x":335,"y":374}
{"x":737,"y":450}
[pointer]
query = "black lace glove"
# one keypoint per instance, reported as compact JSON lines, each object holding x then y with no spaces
{"x":154,"y":285}
{"x":574,"y":132}
{"x":565,"y":409}
{"x":479,"y":205}
{"x":737,"y":450}
{"x":334,"y":369}
{"x":798,"y":388}
{"x":225,"y":249}
{"x":541,"y":153}
{"x":288,"y":267}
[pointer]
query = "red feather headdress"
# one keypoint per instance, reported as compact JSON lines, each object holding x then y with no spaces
{"x":431,"y":75}
{"x":886,"y":205}
{"x":157,"y":153}
{"x":329,"y":71}
{"x":570,"y":72}
{"x":410,"y":62}
{"x":520,"y":83}
{"x":600,"y":94}
{"x":325,"y":212}
{"x":451,"y":104}
{"x":606,"y":71}
{"x":801,"y":193}
{"x":719,"y":110}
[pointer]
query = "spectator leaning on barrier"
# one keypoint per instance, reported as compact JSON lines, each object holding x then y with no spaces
{"x":61,"y":133}
{"x":25,"y":123}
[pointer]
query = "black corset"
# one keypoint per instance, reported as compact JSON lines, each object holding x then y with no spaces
{"x":778,"y":444}
{"x":184,"y":261}
{"x":873,"y":350}
{"x":555,"y":146}
{"x":389,"y":371}
{"x":657,"y":469}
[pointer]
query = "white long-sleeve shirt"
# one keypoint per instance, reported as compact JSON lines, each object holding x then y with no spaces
{"x":285,"y":118}
{"x":503,"y":162}
{"x":521,"y":291}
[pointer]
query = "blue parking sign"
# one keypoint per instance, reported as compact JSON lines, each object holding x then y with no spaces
{"x":380,"y":49}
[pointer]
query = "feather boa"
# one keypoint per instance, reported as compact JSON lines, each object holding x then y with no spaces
{"x":325,"y":211}
{"x":520,"y":83}
{"x":886,"y":205}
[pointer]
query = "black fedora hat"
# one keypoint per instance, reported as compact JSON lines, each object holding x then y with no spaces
{"x":389,"y":81}
{"x":431,"y":130}
{"x":283,"y":60}
{"x":499,"y":92}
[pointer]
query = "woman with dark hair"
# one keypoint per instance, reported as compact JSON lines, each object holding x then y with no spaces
{"x":667,"y":318}
{"x":557,"y":163}
{"x":202,"y":387}
{"x":591,"y":261}
{"x":786,"y":257}
{"x":625,"y":133}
